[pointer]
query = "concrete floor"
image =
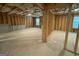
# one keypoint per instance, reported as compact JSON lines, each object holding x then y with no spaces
{"x":28,"y":42}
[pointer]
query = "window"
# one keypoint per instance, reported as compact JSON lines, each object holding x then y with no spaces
{"x":76,"y":22}
{"x":37,"y":21}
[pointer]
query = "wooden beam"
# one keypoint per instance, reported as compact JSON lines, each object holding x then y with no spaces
{"x":4,"y":18}
{"x":45,"y":25}
{"x":9,"y":19}
{"x":56,"y":5}
{"x":3,"y":5}
{"x":67,"y":27}
{"x":12,"y":19}
{"x":71,"y":51}
{"x":20,"y":19}
{"x":16,"y":19}
{"x":39,"y":5}
{"x":76,"y":42}
{"x":14,"y":8}
{"x":1,"y":18}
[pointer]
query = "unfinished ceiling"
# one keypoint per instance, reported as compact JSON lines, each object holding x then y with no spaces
{"x":64,"y":8}
{"x":31,"y":9}
{"x":19,"y":8}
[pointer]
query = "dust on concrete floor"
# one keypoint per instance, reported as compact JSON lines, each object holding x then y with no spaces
{"x":28,"y":42}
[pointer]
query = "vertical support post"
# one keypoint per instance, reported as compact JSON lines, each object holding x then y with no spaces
{"x":25,"y":23}
{"x":76,"y":42}
{"x":15,"y":22}
{"x":9,"y":22}
{"x":67,"y":27}
{"x":12,"y":22}
{"x":4,"y":18}
{"x":44,"y":27}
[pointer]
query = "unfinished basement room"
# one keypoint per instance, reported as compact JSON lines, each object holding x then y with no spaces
{"x":39,"y":29}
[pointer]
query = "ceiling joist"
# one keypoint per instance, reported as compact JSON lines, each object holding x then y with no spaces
{"x":56,"y":5}
{"x":32,"y":8}
{"x":40,"y":6}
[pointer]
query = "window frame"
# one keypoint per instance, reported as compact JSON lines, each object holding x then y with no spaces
{"x":73,"y":22}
